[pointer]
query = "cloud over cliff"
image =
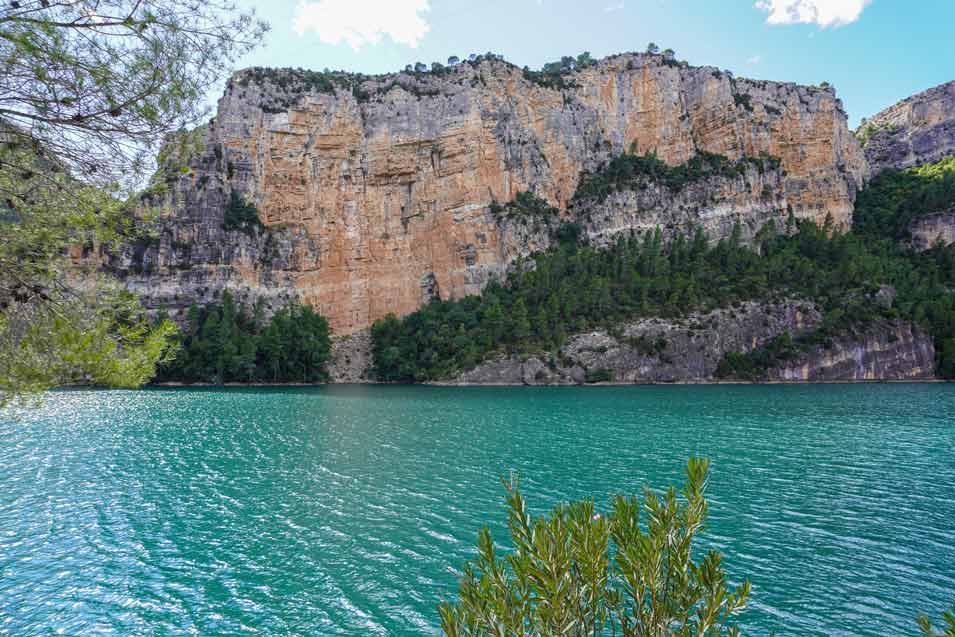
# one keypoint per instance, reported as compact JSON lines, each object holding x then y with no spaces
{"x":361,"y":22}
{"x":825,"y":13}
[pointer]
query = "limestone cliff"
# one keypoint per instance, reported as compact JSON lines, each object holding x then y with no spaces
{"x":376,"y":191}
{"x":933,"y":228}
{"x":918,"y":130}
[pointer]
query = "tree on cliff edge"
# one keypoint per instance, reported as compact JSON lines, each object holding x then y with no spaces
{"x":88,"y":91}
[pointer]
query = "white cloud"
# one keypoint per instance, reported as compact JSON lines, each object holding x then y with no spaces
{"x":614,"y":7}
{"x":754,"y":60}
{"x":361,"y":22}
{"x":825,"y":13}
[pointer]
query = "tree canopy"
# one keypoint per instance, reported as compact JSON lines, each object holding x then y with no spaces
{"x":89,"y":90}
{"x":224,"y":343}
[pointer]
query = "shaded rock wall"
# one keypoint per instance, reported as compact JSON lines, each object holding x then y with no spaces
{"x":351,"y":360}
{"x":926,"y":231}
{"x":659,"y":351}
{"x":654,"y":350}
{"x":886,"y":351}
{"x":918,"y":130}
{"x":377,"y":198}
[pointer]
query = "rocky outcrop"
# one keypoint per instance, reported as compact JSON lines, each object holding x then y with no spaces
{"x":351,"y":360}
{"x":376,"y":191}
{"x":716,"y":204}
{"x":654,"y":350}
{"x":884,"y":351}
{"x":928,"y":230}
{"x":917,"y":130}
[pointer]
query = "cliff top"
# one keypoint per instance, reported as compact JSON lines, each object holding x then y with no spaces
{"x":424,"y":80}
{"x":917,"y":130}
{"x":943,"y":92}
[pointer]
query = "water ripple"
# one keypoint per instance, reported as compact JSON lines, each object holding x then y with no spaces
{"x":337,"y":511}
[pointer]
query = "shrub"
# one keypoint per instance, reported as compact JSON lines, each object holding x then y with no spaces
{"x":600,"y":375}
{"x":928,"y":630}
{"x":744,"y":100}
{"x":241,"y":215}
{"x":576,"y":572}
{"x":526,"y":205}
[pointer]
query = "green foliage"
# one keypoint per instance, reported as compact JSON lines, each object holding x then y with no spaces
{"x":579,"y":573}
{"x":753,"y":365}
{"x":573,"y":288}
{"x":55,"y":328}
{"x":925,"y":625}
{"x":241,"y":215}
{"x":99,"y":89}
{"x":526,"y":205}
{"x":552,"y":79}
{"x":224,"y":344}
{"x":99,"y":336}
{"x":554,"y":74}
{"x":87,"y":94}
{"x":297,"y":80}
{"x":629,"y":171}
{"x":894,"y":199}
{"x":744,"y":100}
{"x":599,"y":375}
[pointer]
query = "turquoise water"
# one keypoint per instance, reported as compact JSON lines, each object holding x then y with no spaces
{"x":338,"y":510}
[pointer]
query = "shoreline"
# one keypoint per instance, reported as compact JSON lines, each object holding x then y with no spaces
{"x":371,"y":383}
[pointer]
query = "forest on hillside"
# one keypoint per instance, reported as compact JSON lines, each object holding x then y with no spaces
{"x":575,"y":287}
{"x":227,"y":343}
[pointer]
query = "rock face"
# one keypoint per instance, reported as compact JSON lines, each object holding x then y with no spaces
{"x":887,"y":351}
{"x":351,"y":358}
{"x":716,"y":204}
{"x":660,"y":351}
{"x":655,"y":350}
{"x":376,"y":191}
{"x":917,"y":130}
{"x":927,"y":230}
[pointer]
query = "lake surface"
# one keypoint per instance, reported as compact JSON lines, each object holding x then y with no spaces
{"x":338,"y":510}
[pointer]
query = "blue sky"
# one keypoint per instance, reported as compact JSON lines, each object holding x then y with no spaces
{"x":874,"y":52}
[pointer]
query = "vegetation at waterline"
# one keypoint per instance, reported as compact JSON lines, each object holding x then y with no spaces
{"x":225,"y":343}
{"x":576,"y":572}
{"x":928,"y":630}
{"x":88,"y":93}
{"x":572,"y":288}
{"x":884,"y":212}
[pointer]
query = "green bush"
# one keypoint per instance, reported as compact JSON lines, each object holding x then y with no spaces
{"x":527,"y":206}
{"x":241,"y":215}
{"x":576,"y":572}
{"x":600,"y":375}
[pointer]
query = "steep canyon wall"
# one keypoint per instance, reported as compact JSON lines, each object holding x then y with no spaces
{"x":375,"y":192}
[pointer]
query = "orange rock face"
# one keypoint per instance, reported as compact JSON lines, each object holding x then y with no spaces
{"x":379,"y":203}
